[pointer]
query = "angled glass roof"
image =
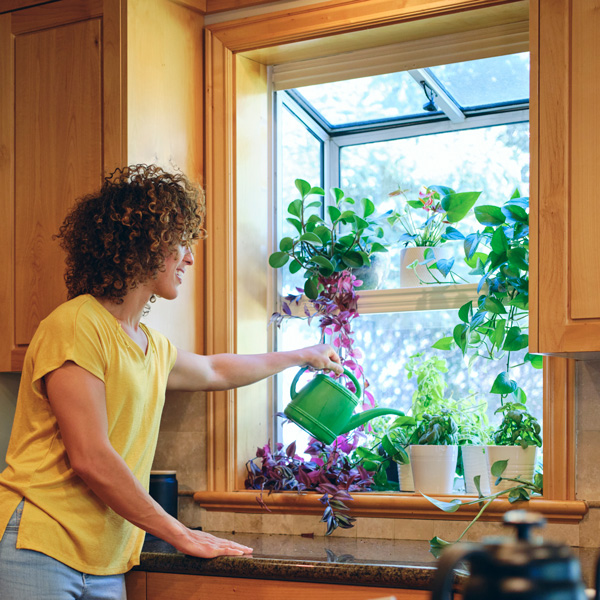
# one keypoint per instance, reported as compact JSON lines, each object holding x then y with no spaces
{"x":455,"y":89}
{"x":486,"y":81}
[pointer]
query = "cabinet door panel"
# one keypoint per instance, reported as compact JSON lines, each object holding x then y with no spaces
{"x":565,"y":152}
{"x":58,"y":142}
{"x":163,"y":586}
{"x":584,"y":229}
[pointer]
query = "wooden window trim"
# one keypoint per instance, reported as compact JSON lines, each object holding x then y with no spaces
{"x":224,"y":466}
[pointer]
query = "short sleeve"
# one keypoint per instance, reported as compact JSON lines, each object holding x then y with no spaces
{"x":68,"y":335}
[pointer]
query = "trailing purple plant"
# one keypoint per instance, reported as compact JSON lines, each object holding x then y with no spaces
{"x":330,"y":471}
{"x":335,"y":307}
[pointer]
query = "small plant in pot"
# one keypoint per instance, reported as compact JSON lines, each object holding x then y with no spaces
{"x":516,"y":441}
{"x":426,"y":224}
{"x":433,"y":448}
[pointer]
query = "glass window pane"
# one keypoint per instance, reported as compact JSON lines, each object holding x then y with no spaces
{"x":494,"y":160}
{"x":301,"y":154}
{"x":486,"y":81}
{"x":366,"y":99}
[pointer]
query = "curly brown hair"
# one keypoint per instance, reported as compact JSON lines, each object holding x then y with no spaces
{"x":118,"y":238}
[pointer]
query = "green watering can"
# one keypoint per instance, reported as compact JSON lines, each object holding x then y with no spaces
{"x":324,"y":407}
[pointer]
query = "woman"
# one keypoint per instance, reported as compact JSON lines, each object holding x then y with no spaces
{"x":74,"y":504}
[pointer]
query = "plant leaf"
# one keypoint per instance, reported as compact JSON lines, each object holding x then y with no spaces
{"x":536,"y":360}
{"x":448,"y":507}
{"x":444,"y":343}
{"x":503,"y":384}
{"x":457,"y":205}
{"x":498,"y":468}
{"x":303,"y":187}
{"x":489,"y":215}
{"x":278,"y":259}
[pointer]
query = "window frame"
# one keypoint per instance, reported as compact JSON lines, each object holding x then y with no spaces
{"x":232,"y":50}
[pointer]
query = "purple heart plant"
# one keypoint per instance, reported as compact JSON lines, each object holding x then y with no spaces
{"x":330,"y":471}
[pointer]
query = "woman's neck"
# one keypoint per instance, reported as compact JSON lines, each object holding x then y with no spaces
{"x":130,"y":310}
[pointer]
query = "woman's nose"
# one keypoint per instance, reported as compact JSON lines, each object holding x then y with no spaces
{"x":188,"y":257}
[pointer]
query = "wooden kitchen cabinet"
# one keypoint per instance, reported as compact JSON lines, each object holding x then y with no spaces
{"x":87,"y":86}
{"x":565,"y":168}
{"x":166,"y":586}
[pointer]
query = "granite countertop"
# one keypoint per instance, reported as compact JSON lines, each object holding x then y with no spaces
{"x":371,"y":562}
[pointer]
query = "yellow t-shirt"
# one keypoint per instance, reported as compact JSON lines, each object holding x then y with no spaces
{"x":62,"y":517}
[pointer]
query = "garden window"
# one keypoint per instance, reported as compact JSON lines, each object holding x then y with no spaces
{"x":371,"y":136}
{"x":238,"y":291}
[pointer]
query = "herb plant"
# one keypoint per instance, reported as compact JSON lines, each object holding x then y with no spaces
{"x":518,"y":427}
{"x":435,"y":430}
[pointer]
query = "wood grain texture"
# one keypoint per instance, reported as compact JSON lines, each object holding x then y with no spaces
{"x":135,"y":583}
{"x":7,"y":232}
{"x":163,"y":586}
{"x":58,"y":155}
{"x":336,"y":18}
{"x":382,"y":505}
{"x":565,"y":280}
{"x":220,"y":277}
{"x":584,"y":232}
{"x":55,"y":14}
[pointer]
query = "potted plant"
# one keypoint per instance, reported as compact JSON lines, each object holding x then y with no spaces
{"x":331,"y":472}
{"x":426,"y":225}
{"x":495,"y":329}
{"x":329,"y":242}
{"x":433,"y":449}
{"x":516,"y":441}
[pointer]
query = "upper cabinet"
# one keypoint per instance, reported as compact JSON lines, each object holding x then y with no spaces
{"x":81,"y":93}
{"x":565,"y":165}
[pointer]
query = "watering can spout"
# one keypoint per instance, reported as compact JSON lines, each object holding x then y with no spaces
{"x":364,"y":417}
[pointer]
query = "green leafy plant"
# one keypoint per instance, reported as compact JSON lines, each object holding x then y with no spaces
{"x":435,"y":430}
{"x":496,"y":327}
{"x":428,"y":220}
{"x":522,"y":490}
{"x":329,"y":238}
{"x":518,"y":427}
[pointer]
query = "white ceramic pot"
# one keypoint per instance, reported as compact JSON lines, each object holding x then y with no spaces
{"x":408,"y":277}
{"x":433,"y":468}
{"x":521,"y":462}
{"x":475,"y":463}
{"x":405,"y":478}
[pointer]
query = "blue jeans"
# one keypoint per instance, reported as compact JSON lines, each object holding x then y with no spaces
{"x":29,"y":575}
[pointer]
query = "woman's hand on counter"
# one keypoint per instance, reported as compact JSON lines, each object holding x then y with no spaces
{"x":205,"y":545}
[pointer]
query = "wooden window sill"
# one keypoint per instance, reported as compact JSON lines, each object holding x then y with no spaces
{"x":385,"y":505}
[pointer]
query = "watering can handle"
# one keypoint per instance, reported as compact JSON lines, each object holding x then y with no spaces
{"x":346,"y":372}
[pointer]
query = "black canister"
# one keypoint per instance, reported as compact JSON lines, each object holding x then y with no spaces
{"x":163,"y":488}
